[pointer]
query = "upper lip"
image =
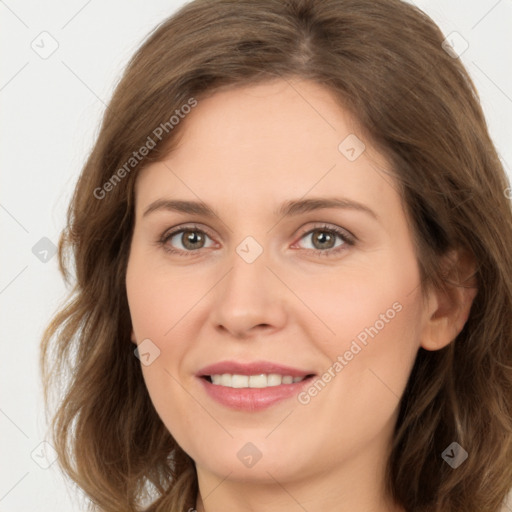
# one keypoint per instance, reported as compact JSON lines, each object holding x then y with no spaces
{"x":252,"y":368}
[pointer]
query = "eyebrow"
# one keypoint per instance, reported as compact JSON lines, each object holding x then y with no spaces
{"x":287,"y":209}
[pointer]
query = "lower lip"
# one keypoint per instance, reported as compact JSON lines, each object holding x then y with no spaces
{"x":252,"y":399}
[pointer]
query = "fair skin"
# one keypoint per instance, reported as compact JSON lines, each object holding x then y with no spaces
{"x":244,"y":152}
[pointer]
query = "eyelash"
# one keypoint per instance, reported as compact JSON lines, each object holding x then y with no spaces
{"x":347,"y":238}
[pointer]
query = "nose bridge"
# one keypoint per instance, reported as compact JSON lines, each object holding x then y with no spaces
{"x":249,"y":295}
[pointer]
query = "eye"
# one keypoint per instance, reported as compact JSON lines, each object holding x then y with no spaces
{"x":190,"y":237}
{"x":323,"y":239}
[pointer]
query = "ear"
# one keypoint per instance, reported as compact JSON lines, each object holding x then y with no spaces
{"x":447,"y":311}
{"x":132,"y":337}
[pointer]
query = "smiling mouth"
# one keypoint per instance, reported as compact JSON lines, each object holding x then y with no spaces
{"x":261,"y":380}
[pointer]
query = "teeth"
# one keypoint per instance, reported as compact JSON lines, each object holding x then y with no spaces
{"x":225,"y":379}
{"x":253,"y":381}
{"x":274,"y":379}
{"x":239,"y":381}
{"x":258,"y":381}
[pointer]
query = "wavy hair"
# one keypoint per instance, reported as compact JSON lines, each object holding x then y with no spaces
{"x":384,"y":62}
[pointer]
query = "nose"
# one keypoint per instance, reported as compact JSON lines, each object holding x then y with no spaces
{"x":250,"y":299}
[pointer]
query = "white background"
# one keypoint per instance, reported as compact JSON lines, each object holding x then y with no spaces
{"x":51,"y":111}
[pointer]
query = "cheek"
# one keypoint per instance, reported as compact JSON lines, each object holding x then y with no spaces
{"x":375,"y":301}
{"x":157,"y":299}
{"x":375,"y":320}
{"x":155,"y":308}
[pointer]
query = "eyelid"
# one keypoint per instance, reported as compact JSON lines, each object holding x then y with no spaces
{"x":186,"y":227}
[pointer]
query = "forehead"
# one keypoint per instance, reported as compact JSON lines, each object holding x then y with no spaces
{"x":280,"y":139}
{"x":282,"y":117}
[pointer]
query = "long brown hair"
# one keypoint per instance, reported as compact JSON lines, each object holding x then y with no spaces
{"x":383,"y":60}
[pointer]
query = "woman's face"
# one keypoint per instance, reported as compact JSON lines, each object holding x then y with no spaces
{"x":266,"y":286}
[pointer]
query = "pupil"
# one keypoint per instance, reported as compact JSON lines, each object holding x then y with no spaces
{"x":323,"y":236}
{"x":189,"y":238}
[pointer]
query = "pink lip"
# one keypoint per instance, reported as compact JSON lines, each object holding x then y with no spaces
{"x":251,"y":399}
{"x":254,"y":368}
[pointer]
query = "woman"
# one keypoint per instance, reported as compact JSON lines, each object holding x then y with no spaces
{"x":293,"y":253}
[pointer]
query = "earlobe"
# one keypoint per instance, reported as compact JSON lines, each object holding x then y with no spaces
{"x":132,"y":337}
{"x":447,"y":310}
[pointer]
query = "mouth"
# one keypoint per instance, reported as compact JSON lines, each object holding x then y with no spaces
{"x":252,"y":386}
